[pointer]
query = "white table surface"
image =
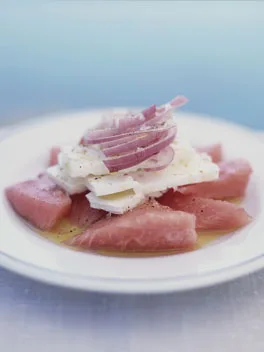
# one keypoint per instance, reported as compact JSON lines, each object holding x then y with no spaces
{"x":38,"y":317}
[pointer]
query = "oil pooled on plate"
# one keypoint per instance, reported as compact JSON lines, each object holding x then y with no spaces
{"x":65,"y":230}
{"x":62,"y":232}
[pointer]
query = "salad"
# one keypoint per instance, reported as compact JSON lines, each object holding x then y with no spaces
{"x":132,"y":183}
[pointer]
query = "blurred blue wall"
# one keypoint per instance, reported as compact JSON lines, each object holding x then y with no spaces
{"x":78,"y":54}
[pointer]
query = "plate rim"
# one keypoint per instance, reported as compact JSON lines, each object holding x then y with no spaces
{"x":129,"y":286}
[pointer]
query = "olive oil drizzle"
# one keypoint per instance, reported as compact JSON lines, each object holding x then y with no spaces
{"x":65,"y":230}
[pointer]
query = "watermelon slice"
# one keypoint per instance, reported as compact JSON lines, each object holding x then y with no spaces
{"x":54,"y":152}
{"x":81,"y":213}
{"x":150,"y":227}
{"x":214,"y":150}
{"x":39,"y":201}
{"x":210,"y":214}
{"x":232,"y":183}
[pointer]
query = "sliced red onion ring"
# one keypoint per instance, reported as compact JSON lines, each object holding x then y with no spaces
{"x":149,"y":112}
{"x":128,"y":123}
{"x":132,"y":124}
{"x":162,"y":112}
{"x":178,"y":101}
{"x":137,"y":141}
{"x":136,"y":120}
{"x":159,"y":161}
{"x":127,"y":137}
{"x":136,"y":157}
{"x":158,"y":119}
{"x":175,"y":103}
{"x":86,"y":141}
{"x":114,"y":142}
{"x":101,"y":136}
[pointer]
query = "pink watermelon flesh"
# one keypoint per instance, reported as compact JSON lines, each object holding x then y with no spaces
{"x":232,"y":183}
{"x":81,"y":213}
{"x":150,"y":227}
{"x":210,"y":214}
{"x":54,"y":152}
{"x":214,"y":150}
{"x":39,"y":201}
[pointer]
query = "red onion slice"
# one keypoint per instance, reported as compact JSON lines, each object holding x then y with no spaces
{"x":137,"y":157}
{"x":162,"y":112}
{"x":136,"y":120}
{"x":127,"y":137}
{"x":131,"y":121}
{"x":138,"y":141}
{"x":178,"y":101}
{"x":86,"y":141}
{"x":96,"y":136}
{"x":159,"y":161}
{"x":101,"y":136}
{"x":128,"y":123}
{"x":175,"y":103}
{"x":120,"y":140}
{"x":158,"y":119}
{"x":149,"y":112}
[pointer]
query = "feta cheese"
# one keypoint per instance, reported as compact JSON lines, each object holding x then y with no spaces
{"x":109,"y":184}
{"x":82,"y":161}
{"x":198,"y":169}
{"x":70,"y":185}
{"x":117,"y":203}
{"x":81,"y":168}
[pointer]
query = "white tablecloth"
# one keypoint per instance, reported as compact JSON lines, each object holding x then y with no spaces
{"x":37,"y":317}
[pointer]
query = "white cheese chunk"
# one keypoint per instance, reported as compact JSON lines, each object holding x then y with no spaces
{"x":175,"y":175}
{"x":117,"y":203}
{"x":82,"y":161}
{"x":187,"y":167}
{"x":81,"y":168}
{"x":183,"y":153}
{"x":109,"y":184}
{"x":70,"y":185}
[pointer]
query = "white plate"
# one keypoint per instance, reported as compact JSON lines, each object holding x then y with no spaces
{"x":25,"y":154}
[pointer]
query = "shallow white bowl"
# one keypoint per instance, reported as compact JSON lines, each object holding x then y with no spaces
{"x":25,"y":153}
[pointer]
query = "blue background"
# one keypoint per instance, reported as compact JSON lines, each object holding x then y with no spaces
{"x":76,"y":54}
